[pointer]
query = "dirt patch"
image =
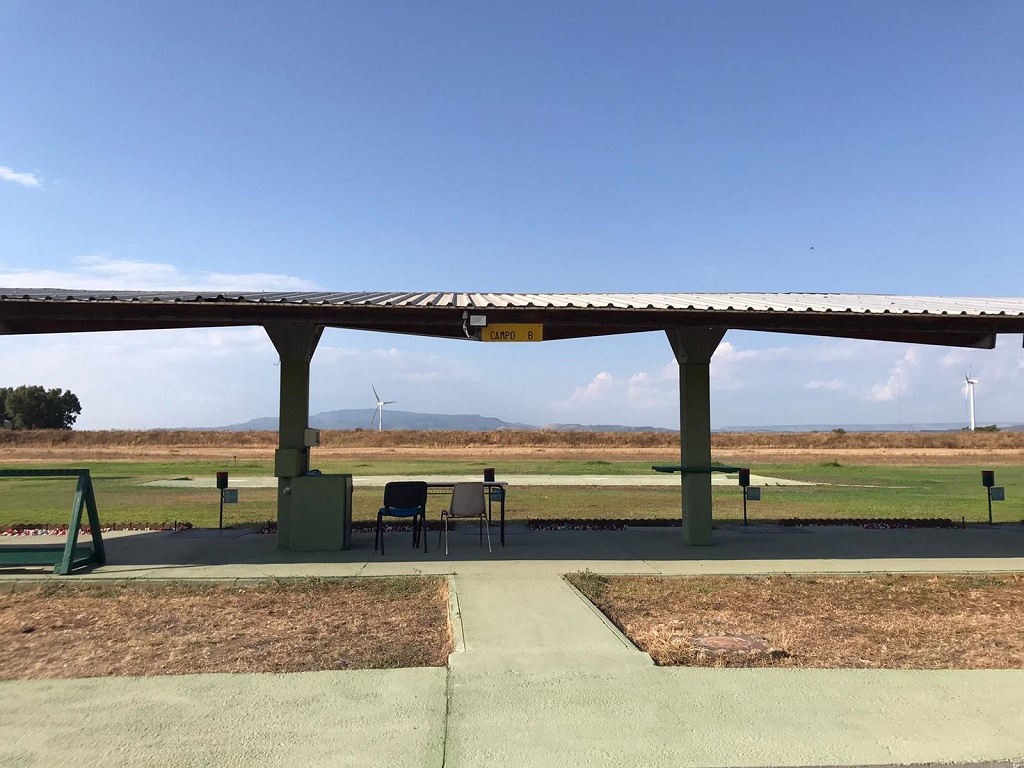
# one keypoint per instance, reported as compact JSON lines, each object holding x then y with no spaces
{"x":113,"y":630}
{"x":879,"y":622}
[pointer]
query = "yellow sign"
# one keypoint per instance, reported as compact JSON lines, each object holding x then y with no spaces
{"x":513,"y":332}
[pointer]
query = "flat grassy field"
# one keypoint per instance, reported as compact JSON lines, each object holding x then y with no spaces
{"x":891,"y":480}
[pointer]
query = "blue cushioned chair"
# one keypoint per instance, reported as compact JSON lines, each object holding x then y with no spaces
{"x":406,"y":499}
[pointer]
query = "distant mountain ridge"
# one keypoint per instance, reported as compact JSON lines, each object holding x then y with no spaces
{"x":602,"y":428}
{"x":365,"y":418}
{"x":1007,"y":426}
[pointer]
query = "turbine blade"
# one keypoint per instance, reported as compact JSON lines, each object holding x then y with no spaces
{"x":375,"y":392}
{"x":389,"y":402}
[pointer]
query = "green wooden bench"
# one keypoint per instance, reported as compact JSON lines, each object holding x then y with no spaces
{"x":71,"y":555}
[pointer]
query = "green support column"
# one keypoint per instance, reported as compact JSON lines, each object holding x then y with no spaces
{"x":295,"y":345}
{"x":693,"y":348}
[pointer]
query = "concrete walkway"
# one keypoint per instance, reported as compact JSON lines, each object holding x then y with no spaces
{"x":659,"y":479}
{"x":539,"y":678}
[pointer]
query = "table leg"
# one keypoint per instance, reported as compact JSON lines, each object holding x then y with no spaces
{"x":503,"y":519}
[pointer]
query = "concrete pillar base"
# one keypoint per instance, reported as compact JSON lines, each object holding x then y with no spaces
{"x":295,"y":344}
{"x":693,"y":348}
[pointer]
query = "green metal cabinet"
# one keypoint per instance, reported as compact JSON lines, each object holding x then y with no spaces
{"x":320,"y":512}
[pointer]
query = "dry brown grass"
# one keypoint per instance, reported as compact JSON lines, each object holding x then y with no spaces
{"x":106,"y":630}
{"x":928,"y":448}
{"x":877,"y":622}
{"x":895,"y":448}
{"x":539,"y":438}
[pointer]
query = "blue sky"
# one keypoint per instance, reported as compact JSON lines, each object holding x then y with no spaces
{"x":528,"y":146}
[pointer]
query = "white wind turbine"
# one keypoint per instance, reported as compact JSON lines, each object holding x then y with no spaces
{"x":970,"y":397}
{"x":379,"y":413}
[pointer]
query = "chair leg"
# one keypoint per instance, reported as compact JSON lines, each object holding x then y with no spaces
{"x":380,"y":534}
{"x":488,"y":539}
{"x":446,"y":535}
{"x":423,"y":531}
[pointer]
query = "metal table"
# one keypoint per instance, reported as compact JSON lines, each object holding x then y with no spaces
{"x":437,"y":488}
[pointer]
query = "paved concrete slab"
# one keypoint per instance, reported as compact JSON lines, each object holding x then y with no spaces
{"x":517,"y":616}
{"x":542,"y":679}
{"x":602,"y":715}
{"x":379,"y":481}
{"x":357,"y":718}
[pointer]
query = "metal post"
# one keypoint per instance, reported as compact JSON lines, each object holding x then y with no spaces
{"x":222,"y":484}
{"x":988,"y":479}
{"x":744,"y":480}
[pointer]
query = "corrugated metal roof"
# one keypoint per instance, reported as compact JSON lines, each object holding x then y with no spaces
{"x":700,"y":302}
{"x":954,"y":321}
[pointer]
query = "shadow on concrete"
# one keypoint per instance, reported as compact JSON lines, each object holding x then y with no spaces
{"x":144,"y":551}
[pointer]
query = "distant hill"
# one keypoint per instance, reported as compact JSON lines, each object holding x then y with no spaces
{"x":365,"y":418}
{"x":1006,"y":426}
{"x":603,"y":428}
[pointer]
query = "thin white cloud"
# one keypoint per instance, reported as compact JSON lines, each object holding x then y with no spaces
{"x":900,"y":381}
{"x":645,"y":391}
{"x":598,"y":389}
{"x":640,"y":391}
{"x":219,"y":376}
{"x":401,"y":367}
{"x":25,"y":179}
{"x":959,"y":358}
{"x":145,"y":379}
{"x":102,"y":272}
{"x":852,"y":382}
{"x":882,"y":393}
{"x":833,"y":385}
{"x":730,"y":365}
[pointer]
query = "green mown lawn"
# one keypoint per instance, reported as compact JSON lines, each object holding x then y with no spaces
{"x":855,"y":491}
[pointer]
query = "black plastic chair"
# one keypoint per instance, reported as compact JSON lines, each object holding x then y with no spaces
{"x":406,"y":499}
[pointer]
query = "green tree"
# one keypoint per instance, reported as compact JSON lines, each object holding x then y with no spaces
{"x":38,"y":408}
